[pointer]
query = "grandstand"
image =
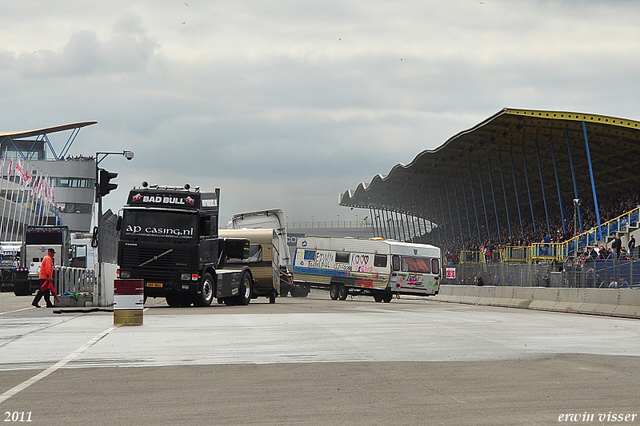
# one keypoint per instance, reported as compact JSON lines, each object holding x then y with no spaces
{"x":530,"y":186}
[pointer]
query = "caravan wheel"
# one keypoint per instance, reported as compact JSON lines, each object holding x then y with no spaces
{"x":342,"y":292}
{"x":333,"y":291}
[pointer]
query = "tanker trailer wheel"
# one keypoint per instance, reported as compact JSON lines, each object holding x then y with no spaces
{"x":333,"y":291}
{"x":244,"y":291}
{"x":342,"y":292}
{"x":206,"y":291}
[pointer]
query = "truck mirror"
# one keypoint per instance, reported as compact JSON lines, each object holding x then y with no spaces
{"x":205,"y":225}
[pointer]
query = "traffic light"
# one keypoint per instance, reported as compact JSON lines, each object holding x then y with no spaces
{"x":104,"y":187}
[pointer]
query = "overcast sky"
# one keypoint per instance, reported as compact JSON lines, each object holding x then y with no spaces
{"x":285,"y":104}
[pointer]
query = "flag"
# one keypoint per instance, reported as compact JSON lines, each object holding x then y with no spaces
{"x":3,"y":160}
{"x":10,"y":169}
{"x":34,"y":188}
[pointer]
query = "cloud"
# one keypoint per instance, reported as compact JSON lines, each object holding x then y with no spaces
{"x":129,"y":50}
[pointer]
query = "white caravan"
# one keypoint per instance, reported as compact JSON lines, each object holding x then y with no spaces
{"x":375,"y":267}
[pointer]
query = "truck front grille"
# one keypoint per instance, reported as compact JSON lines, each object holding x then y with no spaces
{"x":164,"y":268}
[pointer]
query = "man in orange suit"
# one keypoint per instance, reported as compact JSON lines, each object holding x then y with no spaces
{"x":46,"y":283}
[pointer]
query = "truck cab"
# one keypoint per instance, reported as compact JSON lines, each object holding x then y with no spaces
{"x":169,"y":238}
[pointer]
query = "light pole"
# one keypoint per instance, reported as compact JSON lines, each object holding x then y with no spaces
{"x":98,"y":198}
{"x":576,"y":204}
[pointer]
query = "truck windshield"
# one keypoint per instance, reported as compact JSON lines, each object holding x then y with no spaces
{"x":150,"y":223}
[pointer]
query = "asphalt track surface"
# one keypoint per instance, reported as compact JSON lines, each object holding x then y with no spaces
{"x":314,"y":361}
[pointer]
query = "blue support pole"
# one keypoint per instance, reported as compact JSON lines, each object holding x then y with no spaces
{"x":393,"y":223}
{"x":593,"y":182}
{"x":446,"y":231}
{"x":453,"y":228}
{"x":416,"y":198}
{"x":573,"y":177}
{"x":526,"y":178}
{"x":400,"y":224}
{"x":373,"y":226}
{"x":495,"y":204}
{"x":455,"y":194}
{"x":544,"y":196}
{"x":413,"y":207}
{"x":406,"y":219}
{"x":475,"y":207}
{"x":484,"y":204}
{"x":385,"y":223}
{"x":555,"y":170}
{"x":515,"y":186}
{"x":466,"y":207}
{"x":435,"y":215}
{"x":390,"y":224}
{"x":504,"y":192}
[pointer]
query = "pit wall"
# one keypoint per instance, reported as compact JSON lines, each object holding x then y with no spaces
{"x":597,"y":301}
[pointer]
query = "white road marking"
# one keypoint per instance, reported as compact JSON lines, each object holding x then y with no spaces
{"x":22,"y":386}
{"x":17,"y":310}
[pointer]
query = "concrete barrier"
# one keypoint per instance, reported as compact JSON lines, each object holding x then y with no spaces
{"x":457,"y":293}
{"x":471,"y":295}
{"x":486,"y":295}
{"x":629,"y":305}
{"x":545,"y":299}
{"x":570,"y":299}
{"x":599,"y":301}
{"x":444,"y":293}
{"x":502,"y":297}
{"x":522,"y":297}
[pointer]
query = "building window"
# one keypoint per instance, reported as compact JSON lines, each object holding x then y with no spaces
{"x":74,"y":207}
{"x":73,"y":182}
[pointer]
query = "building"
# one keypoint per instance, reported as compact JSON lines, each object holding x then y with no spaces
{"x":41,"y":185}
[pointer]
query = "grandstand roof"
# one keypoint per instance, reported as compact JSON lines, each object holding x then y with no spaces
{"x":498,"y":149}
{"x":45,"y":130}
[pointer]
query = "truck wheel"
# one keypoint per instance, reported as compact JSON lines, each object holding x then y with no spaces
{"x":206,"y":291}
{"x":387,"y":297}
{"x":244,"y":291}
{"x":272,"y":297}
{"x":342,"y":292}
{"x":333,"y":291}
{"x":377,"y":297}
{"x":173,"y":301}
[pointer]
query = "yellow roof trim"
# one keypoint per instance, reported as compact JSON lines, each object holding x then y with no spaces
{"x":573,"y":116}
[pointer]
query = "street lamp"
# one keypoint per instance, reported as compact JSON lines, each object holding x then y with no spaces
{"x":99,"y":193}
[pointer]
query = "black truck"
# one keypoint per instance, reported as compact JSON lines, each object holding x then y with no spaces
{"x":169,"y":238}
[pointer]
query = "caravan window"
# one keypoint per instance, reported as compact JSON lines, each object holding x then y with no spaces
{"x":415,"y":264}
{"x":395,"y":263}
{"x":380,"y":260}
{"x":435,"y":265}
{"x":342,"y":257}
{"x":255,"y":255}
